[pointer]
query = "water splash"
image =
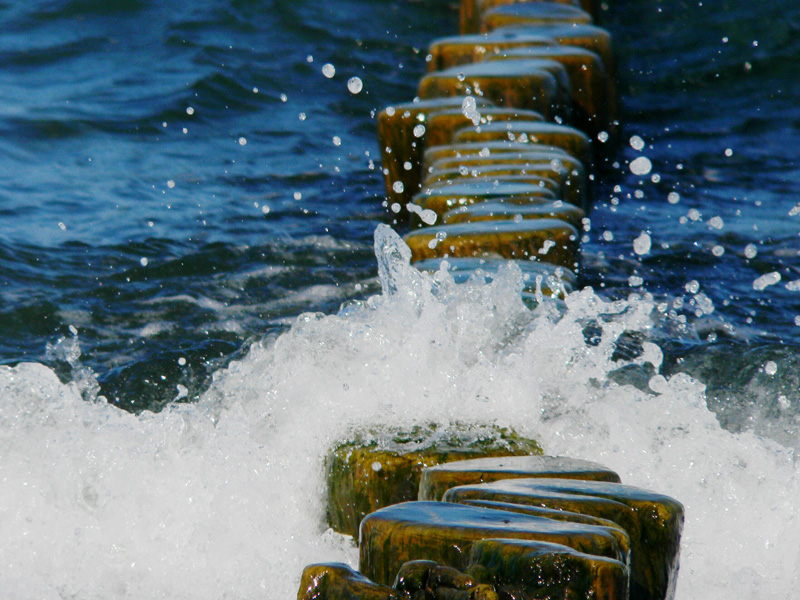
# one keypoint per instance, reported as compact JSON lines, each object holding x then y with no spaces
{"x":223,"y":498}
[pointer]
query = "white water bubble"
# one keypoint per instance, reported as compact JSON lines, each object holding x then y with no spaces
{"x":750,"y":251}
{"x":694,"y":214}
{"x":641,"y":166}
{"x":182,"y":361}
{"x":377,"y":467}
{"x":297,"y":196}
{"x":395,"y":207}
{"x":766,"y":280}
{"x":337,"y":141}
{"x":189,"y":110}
{"x":642,"y":244}
{"x":265,"y":209}
{"x":62,"y":226}
{"x":636,"y":142}
{"x":328,"y":70}
{"x":673,"y":197}
{"x":770,"y":367}
{"x":255,"y":90}
{"x":242,"y":141}
{"x":407,"y":166}
{"x":795,"y":210}
{"x":354,"y":85}
{"x":635,"y":281}
{"x":284,"y":97}
{"x":302,"y":116}
{"x":469,"y":108}
{"x":692,"y":286}
{"x":716,"y":222}
{"x":398,"y":187}
{"x":309,"y":59}
{"x":718,"y":251}
{"x":729,"y":152}
{"x":171,"y":183}
{"x":419,"y":130}
{"x":603,"y":137}
{"x":608,"y":236}
{"x":793,"y":286}
{"x":143,"y":261}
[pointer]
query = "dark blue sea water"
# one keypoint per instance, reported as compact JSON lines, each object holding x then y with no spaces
{"x":177,"y":181}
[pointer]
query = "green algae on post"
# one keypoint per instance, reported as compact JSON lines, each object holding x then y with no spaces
{"x":383,"y":467}
{"x":522,"y":84}
{"x":546,"y":240}
{"x":533,"y":13}
{"x":654,"y":522}
{"x":499,"y":210}
{"x":337,"y":581}
{"x":401,"y":135}
{"x":525,"y":569}
{"x":437,"y":480}
{"x":445,"y":533}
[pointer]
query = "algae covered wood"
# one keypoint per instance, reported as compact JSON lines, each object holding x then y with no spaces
{"x":594,"y":93}
{"x":546,"y":240}
{"x":654,"y":522}
{"x":452,"y":51}
{"x":533,"y":13}
{"x":538,"y":173}
{"x":383,"y":466}
{"x":514,"y":84}
{"x":337,"y":581}
{"x":572,"y":140}
{"x":441,"y":125}
{"x":587,"y":36}
{"x":444,"y":533}
{"x":558,"y":165}
{"x":440,"y":478}
{"x":447,"y":195}
{"x":525,"y":569}
{"x":401,"y":135}
{"x":471,"y":11}
{"x":498,"y":210}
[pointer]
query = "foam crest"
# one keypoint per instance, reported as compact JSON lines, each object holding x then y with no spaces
{"x":223,"y":498}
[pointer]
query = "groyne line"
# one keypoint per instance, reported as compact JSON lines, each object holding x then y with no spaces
{"x":493,"y":162}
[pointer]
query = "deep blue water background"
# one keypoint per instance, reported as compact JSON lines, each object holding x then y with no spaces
{"x":161,"y":235}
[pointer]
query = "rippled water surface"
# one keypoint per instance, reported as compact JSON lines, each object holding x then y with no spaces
{"x":180,"y":182}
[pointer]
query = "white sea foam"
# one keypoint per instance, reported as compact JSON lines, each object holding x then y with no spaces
{"x":222,"y":499}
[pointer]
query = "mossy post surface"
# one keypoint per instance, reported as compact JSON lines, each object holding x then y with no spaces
{"x":520,"y":568}
{"x":546,"y":240}
{"x":533,"y":13}
{"x":401,"y":135}
{"x":498,"y":210}
{"x":337,"y":581}
{"x":444,"y":533}
{"x":447,"y":195}
{"x":443,"y":124}
{"x":438,"y":479}
{"x":513,"y":84}
{"x":653,"y":521}
{"x":379,"y":468}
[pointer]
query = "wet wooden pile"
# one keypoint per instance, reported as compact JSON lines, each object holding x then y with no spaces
{"x":494,"y":162}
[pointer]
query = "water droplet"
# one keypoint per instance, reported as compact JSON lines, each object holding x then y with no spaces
{"x":397,"y":186}
{"x":337,"y":141}
{"x":692,"y":286}
{"x":641,"y":166}
{"x":750,"y":251}
{"x":419,"y":130}
{"x":718,"y":251}
{"x":143,"y":261}
{"x":170,"y":184}
{"x":770,"y":368}
{"x":636,"y":142}
{"x":189,"y":110}
{"x":641,"y":245}
{"x":354,"y":85}
{"x":766,"y":280}
{"x":328,"y":70}
{"x":603,"y":136}
{"x":716,"y":222}
{"x":673,"y":197}
{"x":181,"y":361}
{"x":297,"y":196}
{"x":284,"y":97}
{"x":242,"y":141}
